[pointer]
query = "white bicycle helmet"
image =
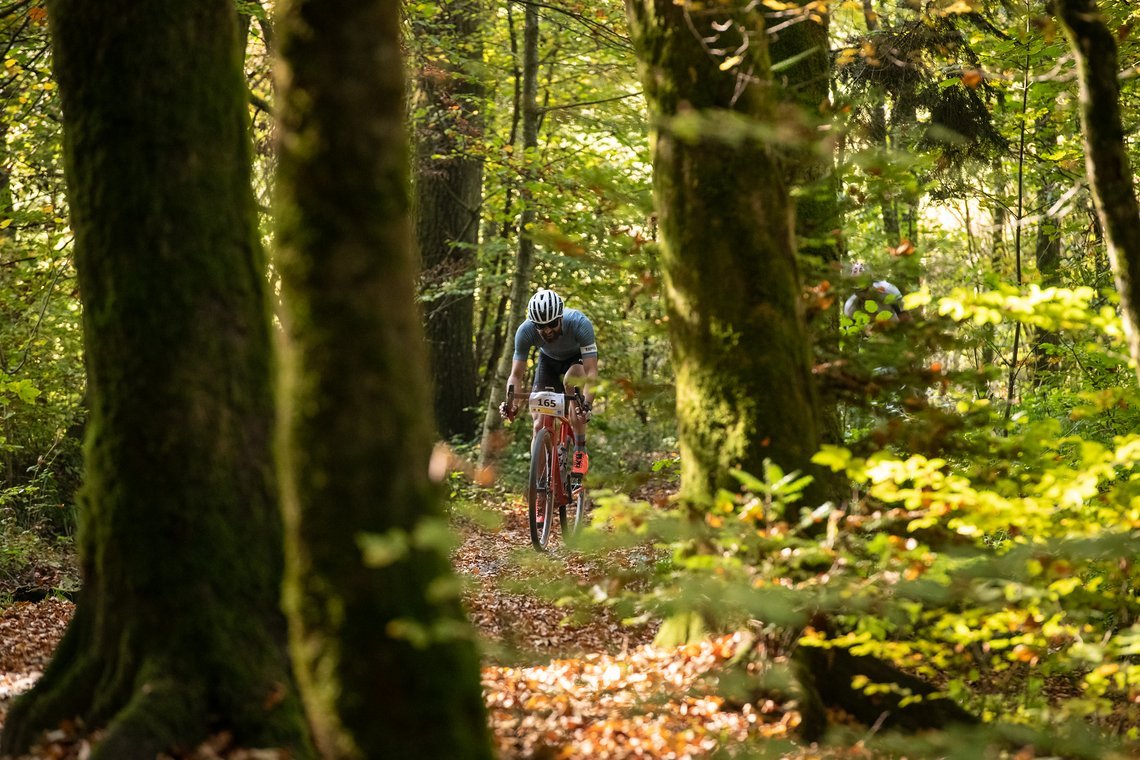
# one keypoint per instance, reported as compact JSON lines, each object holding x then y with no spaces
{"x":545,"y":306}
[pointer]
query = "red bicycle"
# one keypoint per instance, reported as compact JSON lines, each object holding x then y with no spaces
{"x":552,"y":483}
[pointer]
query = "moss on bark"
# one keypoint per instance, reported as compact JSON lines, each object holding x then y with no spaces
{"x":740,"y":348}
{"x":387,"y":662}
{"x":804,"y":91}
{"x":178,"y":632}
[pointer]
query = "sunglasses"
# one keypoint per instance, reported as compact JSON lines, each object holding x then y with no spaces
{"x":549,"y":325}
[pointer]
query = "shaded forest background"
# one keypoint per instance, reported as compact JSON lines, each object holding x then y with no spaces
{"x":972,"y":513}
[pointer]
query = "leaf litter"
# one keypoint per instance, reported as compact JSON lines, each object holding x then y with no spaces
{"x":591,"y":687}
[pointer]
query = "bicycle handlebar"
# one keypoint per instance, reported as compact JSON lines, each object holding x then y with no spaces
{"x":578,"y":398}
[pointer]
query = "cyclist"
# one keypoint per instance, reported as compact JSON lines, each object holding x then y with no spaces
{"x":885,"y":297}
{"x":567,"y":355}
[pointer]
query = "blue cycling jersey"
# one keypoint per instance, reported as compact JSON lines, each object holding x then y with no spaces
{"x":577,"y":338}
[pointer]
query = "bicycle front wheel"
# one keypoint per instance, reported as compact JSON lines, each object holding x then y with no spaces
{"x":578,"y":505}
{"x":540,"y":494}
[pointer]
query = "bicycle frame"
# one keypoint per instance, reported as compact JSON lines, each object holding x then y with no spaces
{"x":551,"y":446}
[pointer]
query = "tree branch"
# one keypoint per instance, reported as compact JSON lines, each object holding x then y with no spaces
{"x":1106,"y":156}
{"x":583,"y":103}
{"x":598,"y":28}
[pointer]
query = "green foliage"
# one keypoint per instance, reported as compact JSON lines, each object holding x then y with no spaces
{"x":41,"y":370}
{"x":251,"y":8}
{"x":1003,"y":570}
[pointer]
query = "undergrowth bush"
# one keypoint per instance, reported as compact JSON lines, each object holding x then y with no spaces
{"x":999,"y":564}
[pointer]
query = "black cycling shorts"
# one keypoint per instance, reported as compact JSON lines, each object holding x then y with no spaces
{"x":549,"y":372}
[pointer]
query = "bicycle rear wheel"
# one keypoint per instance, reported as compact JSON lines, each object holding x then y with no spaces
{"x":540,"y":496}
{"x":564,"y":472}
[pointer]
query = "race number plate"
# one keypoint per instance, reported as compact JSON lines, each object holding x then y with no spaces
{"x":548,"y":402}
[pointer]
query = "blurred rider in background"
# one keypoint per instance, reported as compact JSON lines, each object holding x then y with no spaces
{"x":875,"y":298}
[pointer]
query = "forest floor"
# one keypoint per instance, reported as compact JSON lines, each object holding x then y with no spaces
{"x":591,"y":688}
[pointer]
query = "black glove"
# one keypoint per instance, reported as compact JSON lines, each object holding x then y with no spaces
{"x":586,"y":410}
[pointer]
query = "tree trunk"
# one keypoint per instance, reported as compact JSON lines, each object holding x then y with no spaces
{"x":996,"y":262}
{"x":524,"y":261}
{"x":740,"y":347}
{"x":449,"y":184}
{"x":178,"y":632}
{"x":744,"y":390}
{"x":386,"y":660}
{"x":492,"y":332}
{"x":7,"y":233}
{"x":1106,"y":155}
{"x":805,"y":87}
{"x":1047,"y":253}
{"x":7,"y":240}
{"x":827,"y":675}
{"x":880,"y":135}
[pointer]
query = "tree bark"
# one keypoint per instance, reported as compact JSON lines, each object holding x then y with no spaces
{"x":449,"y":185}
{"x":740,"y":347}
{"x":386,"y":660}
{"x":880,"y":135}
{"x":1047,"y":254}
{"x":827,"y":675}
{"x":1106,"y":155}
{"x":805,"y":89}
{"x":178,"y":631}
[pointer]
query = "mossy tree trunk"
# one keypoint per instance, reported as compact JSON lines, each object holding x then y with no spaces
{"x":178,"y":631}
{"x":740,"y":346}
{"x":449,"y":192}
{"x":1106,"y":154}
{"x":809,"y":171}
{"x":386,"y":660}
